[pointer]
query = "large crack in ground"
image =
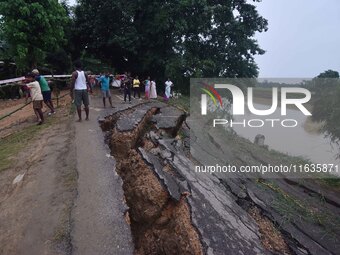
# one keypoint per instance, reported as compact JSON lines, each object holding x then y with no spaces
{"x":160,"y":224}
{"x":173,"y":210}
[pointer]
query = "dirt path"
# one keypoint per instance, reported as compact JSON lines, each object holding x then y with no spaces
{"x":34,"y":211}
{"x":61,"y":195}
{"x":23,"y":117}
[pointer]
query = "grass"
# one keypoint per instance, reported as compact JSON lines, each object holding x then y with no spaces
{"x":330,"y":182}
{"x":268,"y":93}
{"x":294,"y":210}
{"x":326,"y":179}
{"x":265,"y":96}
{"x":183,"y":103}
{"x":62,"y":232}
{"x":11,"y":145}
{"x":70,"y":179}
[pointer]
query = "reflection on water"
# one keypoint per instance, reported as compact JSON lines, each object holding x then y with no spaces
{"x":293,"y":141}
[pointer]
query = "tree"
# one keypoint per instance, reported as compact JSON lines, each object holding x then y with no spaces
{"x":59,"y":61}
{"x":179,"y":38}
{"x":32,"y":28}
{"x":326,"y":103}
{"x":329,"y":74}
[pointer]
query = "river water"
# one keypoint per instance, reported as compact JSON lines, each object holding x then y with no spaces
{"x":296,"y":141}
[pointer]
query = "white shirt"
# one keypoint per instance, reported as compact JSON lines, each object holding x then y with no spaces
{"x":80,"y":81}
{"x":168,"y":83}
{"x":35,"y":91}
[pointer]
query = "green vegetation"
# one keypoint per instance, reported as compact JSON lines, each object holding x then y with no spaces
{"x":293,"y":209}
{"x":267,"y":93}
{"x":31,"y":29}
{"x":326,"y":103}
{"x":183,"y":103}
{"x":179,"y":39}
{"x":62,"y":232}
{"x":331,"y":182}
{"x":10,"y":146}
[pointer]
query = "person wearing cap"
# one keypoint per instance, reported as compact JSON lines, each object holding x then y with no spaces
{"x":45,"y":90}
{"x":37,"y":97}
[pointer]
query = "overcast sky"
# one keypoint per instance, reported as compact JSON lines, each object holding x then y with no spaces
{"x":303,"y":39}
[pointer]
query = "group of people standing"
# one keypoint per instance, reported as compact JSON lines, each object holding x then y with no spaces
{"x":128,"y":83}
{"x":150,"y":89}
{"x":130,"y":86}
{"x":82,"y":84}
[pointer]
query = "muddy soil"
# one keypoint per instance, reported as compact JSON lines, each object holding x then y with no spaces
{"x":159,"y":224}
{"x":23,"y":117}
{"x":35,"y":211}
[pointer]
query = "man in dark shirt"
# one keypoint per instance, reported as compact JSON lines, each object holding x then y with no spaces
{"x":127,"y":87}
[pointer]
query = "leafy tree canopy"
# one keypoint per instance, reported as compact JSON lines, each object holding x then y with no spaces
{"x":31,"y":28}
{"x":180,"y":38}
{"x":326,"y":103}
{"x":329,"y":74}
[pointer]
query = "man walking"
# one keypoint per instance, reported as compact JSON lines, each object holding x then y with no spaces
{"x":79,"y":90}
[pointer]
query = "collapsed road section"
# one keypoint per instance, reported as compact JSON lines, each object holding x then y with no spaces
{"x":175,"y":210}
{"x":172,"y":209}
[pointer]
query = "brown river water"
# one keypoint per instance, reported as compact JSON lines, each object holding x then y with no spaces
{"x":303,"y":140}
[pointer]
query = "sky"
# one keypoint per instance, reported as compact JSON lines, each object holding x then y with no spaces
{"x":303,"y":38}
{"x":72,"y":2}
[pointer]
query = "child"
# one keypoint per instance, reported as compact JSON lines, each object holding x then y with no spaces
{"x":37,"y":97}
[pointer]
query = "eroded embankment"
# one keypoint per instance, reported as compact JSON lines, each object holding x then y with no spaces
{"x":160,"y":224}
{"x":305,"y":212}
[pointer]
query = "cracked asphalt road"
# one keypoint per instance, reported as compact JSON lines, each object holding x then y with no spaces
{"x":99,"y":226}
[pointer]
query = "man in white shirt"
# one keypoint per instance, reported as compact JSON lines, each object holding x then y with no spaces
{"x":79,"y":90}
{"x":168,"y":85}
